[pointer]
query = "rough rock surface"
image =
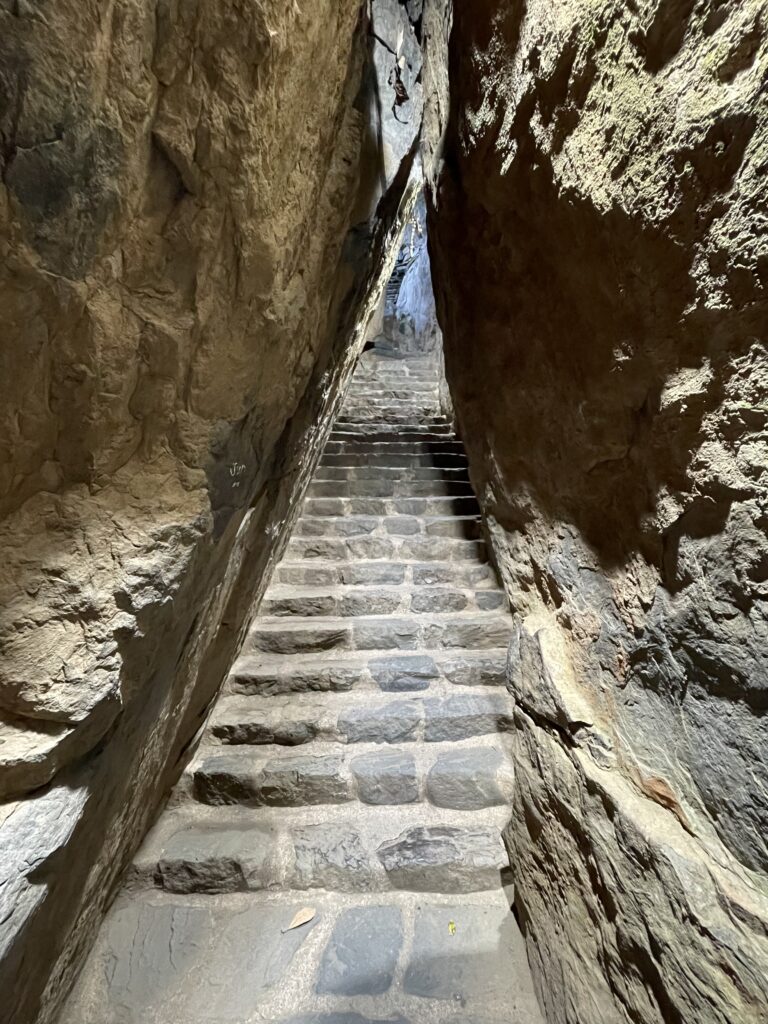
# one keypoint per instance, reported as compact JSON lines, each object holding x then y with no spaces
{"x":407,"y":318}
{"x":193,"y":202}
{"x":599,"y":240}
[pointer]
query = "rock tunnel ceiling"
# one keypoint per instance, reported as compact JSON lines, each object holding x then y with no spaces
{"x":199,"y":210}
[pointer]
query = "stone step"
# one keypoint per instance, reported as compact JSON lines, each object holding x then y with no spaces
{"x":439,"y":414}
{"x":385,"y":432}
{"x":415,"y":404}
{"x":466,"y":506}
{"x":396,"y":474}
{"x":441,"y":488}
{"x":216,"y":850}
{"x":394,"y":422}
{"x":442,"y":460}
{"x":402,"y":368}
{"x":319,"y":573}
{"x":417,"y":549}
{"x":286,"y":600}
{"x":393,"y":390}
{"x":398,"y":389}
{"x":410,"y":385}
{"x":391,"y":413}
{"x":390,"y":437}
{"x":169,"y":958}
{"x":376,"y":672}
{"x":428,"y":377}
{"x":458,"y":527}
{"x":361,"y":717}
{"x":438,"y":422}
{"x":399,"y":447}
{"x":461,"y":776}
{"x":380,"y":405}
{"x":467,"y":630}
{"x":402,"y":387}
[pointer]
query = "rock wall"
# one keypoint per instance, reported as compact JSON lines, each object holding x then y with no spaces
{"x":198,"y":205}
{"x":407,"y":318}
{"x":599,"y":240}
{"x":416,"y":299}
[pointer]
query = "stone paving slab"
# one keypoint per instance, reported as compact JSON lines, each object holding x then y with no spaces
{"x":462,"y":954}
{"x":158,"y":960}
{"x":362,"y":953}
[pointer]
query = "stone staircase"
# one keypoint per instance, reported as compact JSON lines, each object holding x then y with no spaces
{"x":356,"y":767}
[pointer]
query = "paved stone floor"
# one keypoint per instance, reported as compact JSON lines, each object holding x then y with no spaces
{"x":356,"y":766}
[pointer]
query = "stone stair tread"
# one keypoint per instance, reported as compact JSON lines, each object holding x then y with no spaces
{"x":363,"y":518}
{"x":358,"y":659}
{"x":344,"y":752}
{"x":384,"y":432}
{"x":463,"y":774}
{"x":358,"y":761}
{"x":348,"y":601}
{"x":384,"y":488}
{"x":256,"y":673}
{"x":395,"y":459}
{"x":388,"y":820}
{"x":298,"y":705}
{"x":297,"y":623}
{"x":285,"y":590}
{"x":289,"y":635}
{"x":291,"y":590}
{"x":376,"y":572}
{"x":360,"y":717}
{"x":456,"y":527}
{"x":438,"y":475}
{"x":363,"y":956}
{"x":421,"y":446}
{"x":320,"y":507}
{"x":387,"y":548}
{"x":234,"y":850}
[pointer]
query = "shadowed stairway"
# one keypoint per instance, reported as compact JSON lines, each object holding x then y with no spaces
{"x":355,"y":765}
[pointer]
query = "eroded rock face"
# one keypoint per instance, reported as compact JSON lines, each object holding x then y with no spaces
{"x":600,"y":251}
{"x":198,"y":203}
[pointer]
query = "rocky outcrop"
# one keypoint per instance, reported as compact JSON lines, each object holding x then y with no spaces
{"x":198,"y":203}
{"x":600,"y":253}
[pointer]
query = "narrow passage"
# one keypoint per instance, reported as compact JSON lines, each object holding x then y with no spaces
{"x":356,"y":767}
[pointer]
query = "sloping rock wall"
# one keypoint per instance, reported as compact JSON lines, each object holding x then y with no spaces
{"x":198,"y":203}
{"x":599,"y":242}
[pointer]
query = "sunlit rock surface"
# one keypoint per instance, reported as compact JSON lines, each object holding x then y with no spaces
{"x":194,"y":200}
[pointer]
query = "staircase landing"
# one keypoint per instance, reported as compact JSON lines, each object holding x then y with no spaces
{"x":356,"y":767}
